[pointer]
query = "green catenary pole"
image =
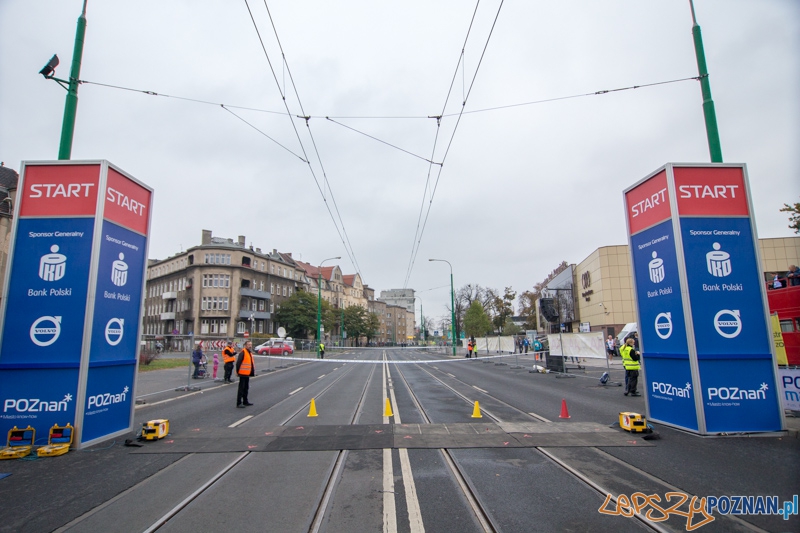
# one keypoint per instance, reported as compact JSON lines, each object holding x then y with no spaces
{"x":71,"y":105}
{"x":453,"y":308}
{"x":710,"y":115}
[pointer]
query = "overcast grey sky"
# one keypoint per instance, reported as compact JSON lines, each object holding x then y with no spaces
{"x":521,"y":189}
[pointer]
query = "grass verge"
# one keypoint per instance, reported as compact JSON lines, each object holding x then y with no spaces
{"x":161,"y":364}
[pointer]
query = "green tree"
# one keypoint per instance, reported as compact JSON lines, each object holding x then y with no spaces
{"x":509,"y":328}
{"x":476,"y":322}
{"x":355,"y":322}
{"x":373,"y":325}
{"x":794,"y":217}
{"x":298,"y":315}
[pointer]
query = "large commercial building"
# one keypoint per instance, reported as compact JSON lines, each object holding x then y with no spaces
{"x":403,"y":297}
{"x":597,"y":293}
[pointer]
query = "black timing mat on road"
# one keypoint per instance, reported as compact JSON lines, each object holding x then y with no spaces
{"x":366,"y":437}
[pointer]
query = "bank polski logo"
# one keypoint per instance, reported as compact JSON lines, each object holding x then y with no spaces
{"x":45,"y":330}
{"x":119,"y":271}
{"x":114,"y":331}
{"x":52,"y":266}
{"x":728,"y":323}
{"x":664,"y":325}
{"x":656,"y":269}
{"x":718,"y":262}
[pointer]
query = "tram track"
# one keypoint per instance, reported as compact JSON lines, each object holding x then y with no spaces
{"x":322,"y":503}
{"x":481,"y":514}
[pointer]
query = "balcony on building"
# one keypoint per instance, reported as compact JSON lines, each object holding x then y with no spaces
{"x":255,"y":293}
{"x":168,"y":315}
{"x":257,"y":315}
{"x":171,"y":295}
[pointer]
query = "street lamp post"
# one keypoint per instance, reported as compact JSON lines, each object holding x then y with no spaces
{"x":71,"y":105}
{"x":421,"y":319}
{"x":452,"y":303}
{"x":319,"y":301}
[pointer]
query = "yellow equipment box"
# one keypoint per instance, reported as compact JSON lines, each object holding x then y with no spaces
{"x":20,"y":443}
{"x":633,"y":422}
{"x":58,"y":442}
{"x":155,"y":429}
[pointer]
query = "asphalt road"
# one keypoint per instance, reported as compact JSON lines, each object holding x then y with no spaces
{"x":430,"y":466}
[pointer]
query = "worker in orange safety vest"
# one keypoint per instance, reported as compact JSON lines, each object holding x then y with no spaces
{"x":228,"y":358}
{"x":245,"y":367}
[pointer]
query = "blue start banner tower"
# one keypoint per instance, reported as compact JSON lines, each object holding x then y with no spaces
{"x":69,"y":341}
{"x":708,"y":358}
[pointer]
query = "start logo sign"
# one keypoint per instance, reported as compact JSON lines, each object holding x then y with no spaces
{"x":701,"y":301}
{"x":82,"y":230}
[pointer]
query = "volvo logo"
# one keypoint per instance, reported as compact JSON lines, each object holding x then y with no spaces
{"x":731,"y":326}
{"x":114,"y":333}
{"x":45,"y":330}
{"x":664,"y":325}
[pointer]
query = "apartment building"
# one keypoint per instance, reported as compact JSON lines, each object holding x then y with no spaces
{"x":219,"y":289}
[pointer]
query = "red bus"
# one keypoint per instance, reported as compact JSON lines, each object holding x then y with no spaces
{"x":786,"y":302}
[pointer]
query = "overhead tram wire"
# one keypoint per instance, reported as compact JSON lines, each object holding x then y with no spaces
{"x":264,"y":134}
{"x":389,"y":117}
{"x":345,"y":239}
{"x":582,"y":95}
{"x":415,"y":243}
{"x":455,"y":129}
{"x":383,"y":142}
{"x":350,"y":252}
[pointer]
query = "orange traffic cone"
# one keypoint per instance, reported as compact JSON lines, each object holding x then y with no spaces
{"x":313,"y":410}
{"x":476,"y":412}
{"x":388,"y":410}
{"x":564,"y":411}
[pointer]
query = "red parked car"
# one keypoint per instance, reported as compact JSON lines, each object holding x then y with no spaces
{"x":275,"y":347}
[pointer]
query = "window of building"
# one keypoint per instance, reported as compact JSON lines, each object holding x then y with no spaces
{"x":271,"y":268}
{"x":284,"y":291}
{"x":213,"y":326}
{"x":260,"y":326}
{"x":223,"y":327}
{"x":240,"y":327}
{"x":204,"y":327}
{"x":253,"y":305}
{"x":246,"y":262}
{"x":272,"y":288}
{"x":261,"y":305}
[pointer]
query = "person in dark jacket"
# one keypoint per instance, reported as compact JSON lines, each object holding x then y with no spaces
{"x":197,"y":358}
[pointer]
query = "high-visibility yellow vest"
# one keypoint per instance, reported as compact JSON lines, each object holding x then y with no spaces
{"x":627,"y":361}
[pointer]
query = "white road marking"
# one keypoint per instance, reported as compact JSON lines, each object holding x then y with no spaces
{"x":296,"y":390}
{"x":322,"y":376}
{"x":412,"y":502}
{"x":539,"y":417}
{"x":240,"y":422}
{"x":480,"y":389}
{"x":451,"y":375}
{"x":389,"y":509}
